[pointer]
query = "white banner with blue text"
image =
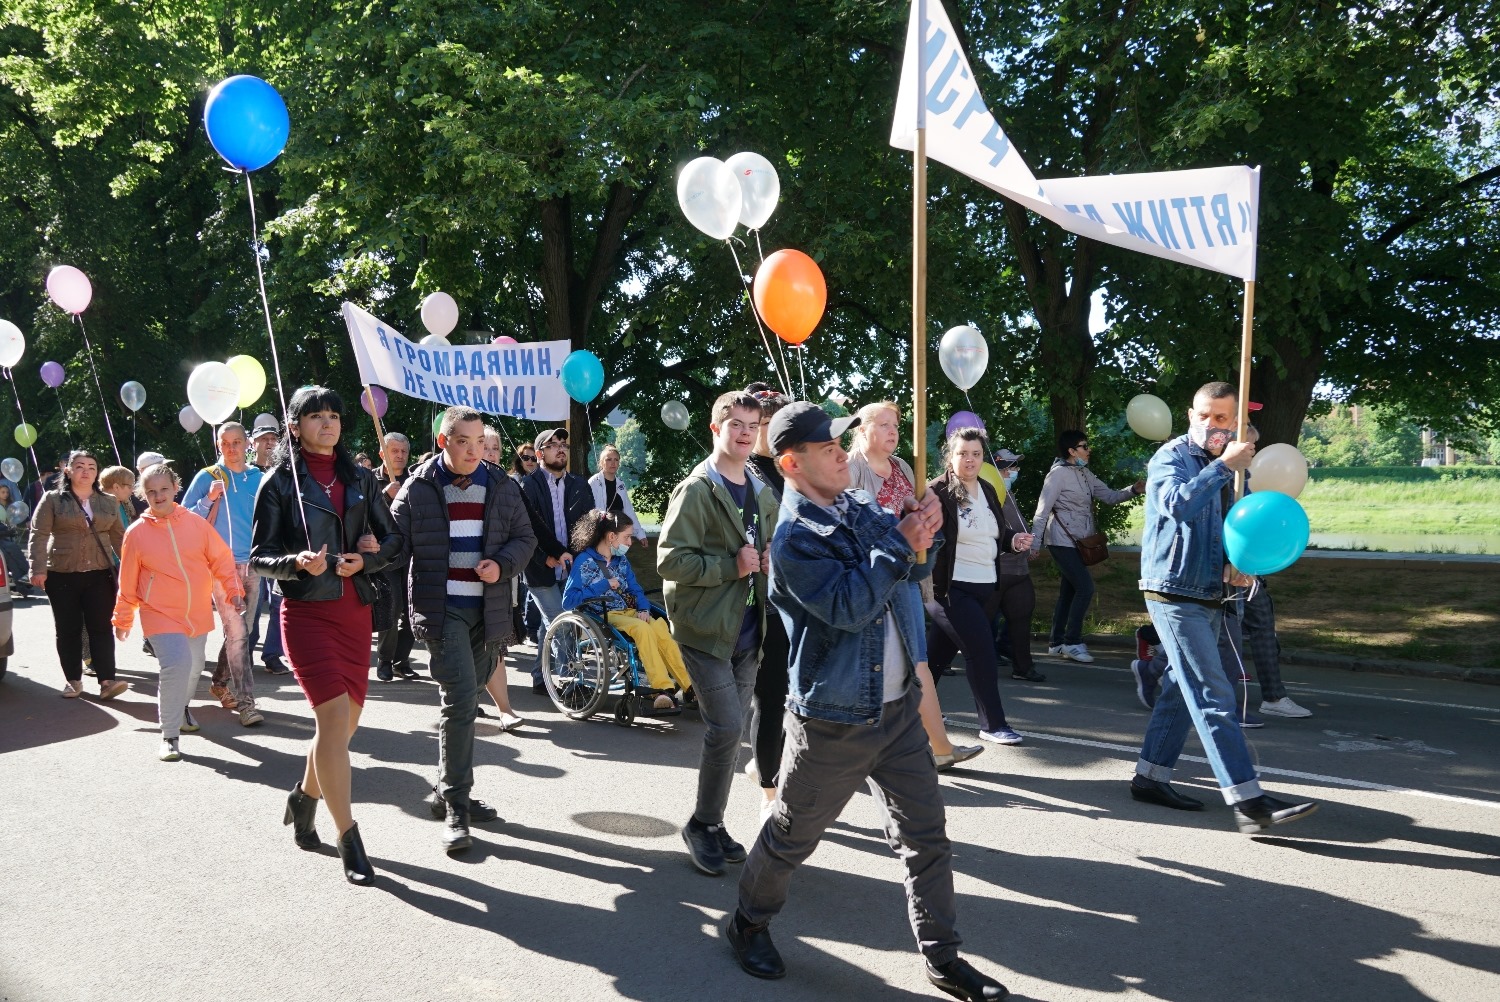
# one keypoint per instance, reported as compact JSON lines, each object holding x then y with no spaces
{"x":1207,"y":217}
{"x":512,"y":380}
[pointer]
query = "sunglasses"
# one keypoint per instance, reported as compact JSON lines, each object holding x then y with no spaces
{"x":528,"y":459}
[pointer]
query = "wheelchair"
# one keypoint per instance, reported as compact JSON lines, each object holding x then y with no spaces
{"x":586,"y":661}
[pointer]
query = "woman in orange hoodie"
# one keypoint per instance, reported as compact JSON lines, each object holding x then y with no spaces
{"x":168,"y":566}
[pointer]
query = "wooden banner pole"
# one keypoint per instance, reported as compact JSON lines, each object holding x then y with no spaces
{"x":919,"y":269}
{"x":1247,"y":339}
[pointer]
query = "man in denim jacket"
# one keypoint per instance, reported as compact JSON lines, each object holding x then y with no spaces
{"x":1183,"y":573}
{"x":841,"y":569}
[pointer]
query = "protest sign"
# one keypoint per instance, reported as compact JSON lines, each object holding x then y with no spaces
{"x":513,"y":380}
{"x":1207,"y":218}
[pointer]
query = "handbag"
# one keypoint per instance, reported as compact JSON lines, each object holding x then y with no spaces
{"x":1092,"y":549}
{"x":109,"y":554}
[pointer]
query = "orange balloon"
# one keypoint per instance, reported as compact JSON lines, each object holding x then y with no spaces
{"x":790,"y":294}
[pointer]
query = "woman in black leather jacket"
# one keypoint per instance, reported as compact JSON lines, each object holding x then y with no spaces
{"x":313,"y":513}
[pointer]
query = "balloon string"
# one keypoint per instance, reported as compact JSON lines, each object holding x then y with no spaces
{"x":35,"y":465}
{"x":785,"y":382}
{"x":802,"y":366}
{"x":780,"y":348}
{"x":265,"y":305}
{"x":88,"y":350}
{"x":988,"y":458}
{"x":63,"y":412}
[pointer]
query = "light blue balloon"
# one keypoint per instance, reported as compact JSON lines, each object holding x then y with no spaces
{"x":1265,"y":532}
{"x":246,"y":121}
{"x":582,"y":375}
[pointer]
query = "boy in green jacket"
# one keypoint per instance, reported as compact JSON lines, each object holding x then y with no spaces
{"x":712,"y":556}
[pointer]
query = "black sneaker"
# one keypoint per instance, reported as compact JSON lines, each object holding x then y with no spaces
{"x":959,"y":979}
{"x":732,"y":850}
{"x":703,"y":847}
{"x":479,"y":812}
{"x":404,"y":669}
{"x":753,"y":948}
{"x":275,"y":666}
{"x":383,"y":672}
{"x":1259,"y":813}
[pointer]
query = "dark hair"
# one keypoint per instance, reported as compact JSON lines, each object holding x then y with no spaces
{"x":1217,"y":390}
{"x":515,"y":461}
{"x":970,"y":434}
{"x":455,"y":416}
{"x":310,"y":400}
{"x":595,"y":526}
{"x":65,"y":483}
{"x":771,"y":399}
{"x":1070,"y":439}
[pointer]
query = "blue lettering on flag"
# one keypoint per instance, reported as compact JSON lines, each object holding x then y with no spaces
{"x":973,"y":106}
{"x":997,"y":142}
{"x":510,"y":363}
{"x":1197,"y":202}
{"x":1180,"y":204}
{"x":1219,"y":204}
{"x":1162,"y":220}
{"x":934,"y":104}
{"x":440,"y":361}
{"x":544,"y":362}
{"x":1093,"y":213}
{"x":528,"y":363}
{"x":1130,"y":213}
{"x":384,"y":341}
{"x":460,"y":367}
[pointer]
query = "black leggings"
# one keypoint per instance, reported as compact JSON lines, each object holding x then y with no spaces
{"x":770,"y":700}
{"x":83,"y":601}
{"x":961,"y":622}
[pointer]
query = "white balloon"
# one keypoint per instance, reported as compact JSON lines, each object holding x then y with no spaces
{"x":12,"y":344}
{"x":1280,"y":468}
{"x":133,"y":395}
{"x":760,"y":188}
{"x":439,"y":314}
{"x":12,"y":470}
{"x":1149,"y":417}
{"x":674,"y":414}
{"x":709,"y":194}
{"x":189,"y":419}
{"x":214,"y":391}
{"x":436,"y":339}
{"x":964,"y":355}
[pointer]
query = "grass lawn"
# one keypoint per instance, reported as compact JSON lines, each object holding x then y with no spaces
{"x":1449,"y":612}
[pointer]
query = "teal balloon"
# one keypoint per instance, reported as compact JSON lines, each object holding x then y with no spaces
{"x":582,"y":375}
{"x":1265,"y":532}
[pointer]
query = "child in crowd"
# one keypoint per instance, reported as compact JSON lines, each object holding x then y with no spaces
{"x":601,"y":573}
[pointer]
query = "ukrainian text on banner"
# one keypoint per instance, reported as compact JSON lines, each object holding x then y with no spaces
{"x":514,"y":380}
{"x":1207,"y":218}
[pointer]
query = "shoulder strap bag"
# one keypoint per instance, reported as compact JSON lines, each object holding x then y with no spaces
{"x":109,"y":554}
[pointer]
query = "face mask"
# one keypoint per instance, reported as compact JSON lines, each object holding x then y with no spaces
{"x":619,"y":549}
{"x":1009,"y":478}
{"x":1210,"y":439}
{"x":1080,"y":462}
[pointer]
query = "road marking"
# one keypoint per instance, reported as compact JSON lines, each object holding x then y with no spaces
{"x":1312,"y":777}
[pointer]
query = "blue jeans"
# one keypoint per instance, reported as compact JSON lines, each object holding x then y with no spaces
{"x":548,"y":602}
{"x":1075,"y":590}
{"x":1196,"y":693}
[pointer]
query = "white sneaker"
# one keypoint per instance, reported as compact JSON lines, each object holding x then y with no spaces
{"x":168,"y":751}
{"x":1077,"y":652}
{"x":1004,"y":736}
{"x":1284,"y":707}
{"x":1058,"y":649}
{"x":188,"y":725}
{"x":753,"y":771}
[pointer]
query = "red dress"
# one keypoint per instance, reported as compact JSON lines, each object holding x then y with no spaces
{"x":328,"y":643}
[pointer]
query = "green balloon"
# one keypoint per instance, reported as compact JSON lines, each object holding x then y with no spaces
{"x":437,"y":424}
{"x":25,"y":435}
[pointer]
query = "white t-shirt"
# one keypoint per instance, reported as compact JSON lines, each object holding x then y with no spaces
{"x":978,"y":541}
{"x":894,"y":670}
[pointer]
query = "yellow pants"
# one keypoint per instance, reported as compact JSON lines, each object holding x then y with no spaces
{"x":658,"y":651}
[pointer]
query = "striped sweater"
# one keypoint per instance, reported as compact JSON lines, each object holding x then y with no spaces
{"x":465,"y":535}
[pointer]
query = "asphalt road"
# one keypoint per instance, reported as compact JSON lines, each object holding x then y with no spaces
{"x":124,"y":878}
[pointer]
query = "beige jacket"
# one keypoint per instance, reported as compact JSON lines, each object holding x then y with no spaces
{"x":61,"y":541}
{"x":1068,"y":496}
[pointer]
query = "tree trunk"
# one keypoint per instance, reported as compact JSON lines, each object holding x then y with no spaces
{"x":1286,"y":397}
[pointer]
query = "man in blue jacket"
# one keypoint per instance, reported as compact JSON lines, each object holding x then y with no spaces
{"x":841,"y":569}
{"x":1189,"y":484}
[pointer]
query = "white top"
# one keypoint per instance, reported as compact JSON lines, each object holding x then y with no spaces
{"x":978,"y":541}
{"x":894,"y":670}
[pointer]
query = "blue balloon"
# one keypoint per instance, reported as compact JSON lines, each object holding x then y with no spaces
{"x":582,"y":375}
{"x":1265,"y":532}
{"x":246,"y":121}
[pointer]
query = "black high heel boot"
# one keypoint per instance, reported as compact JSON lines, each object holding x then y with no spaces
{"x":300,"y":811}
{"x":357,"y":868}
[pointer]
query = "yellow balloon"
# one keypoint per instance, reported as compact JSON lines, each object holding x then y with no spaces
{"x":252,"y":378}
{"x":991,"y":476}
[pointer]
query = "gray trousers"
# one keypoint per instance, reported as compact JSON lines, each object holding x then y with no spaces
{"x":461,"y":664}
{"x":179,"y":659}
{"x":822,"y":767}
{"x":723,"y":687}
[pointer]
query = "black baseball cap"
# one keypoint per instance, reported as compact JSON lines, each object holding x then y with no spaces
{"x":802,"y":422}
{"x":547,"y":436}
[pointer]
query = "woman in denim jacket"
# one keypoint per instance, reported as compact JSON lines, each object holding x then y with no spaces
{"x":601,"y":574}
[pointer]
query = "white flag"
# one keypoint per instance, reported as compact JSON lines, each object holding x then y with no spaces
{"x":1208,"y":217}
{"x":515,"y":380}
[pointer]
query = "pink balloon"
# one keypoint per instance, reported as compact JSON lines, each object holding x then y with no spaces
{"x":381,"y":403}
{"x":69,"y":288}
{"x":504,"y":339}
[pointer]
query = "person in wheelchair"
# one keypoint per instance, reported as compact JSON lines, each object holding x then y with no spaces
{"x":602,"y":581}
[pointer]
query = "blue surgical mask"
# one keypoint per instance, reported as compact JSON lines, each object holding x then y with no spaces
{"x":619,"y":549}
{"x":1010,"y":477}
{"x":1080,"y":462}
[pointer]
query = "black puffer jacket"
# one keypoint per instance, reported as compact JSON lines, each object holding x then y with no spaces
{"x":278,"y":535}
{"x":421,"y":517}
{"x":578,"y":501}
